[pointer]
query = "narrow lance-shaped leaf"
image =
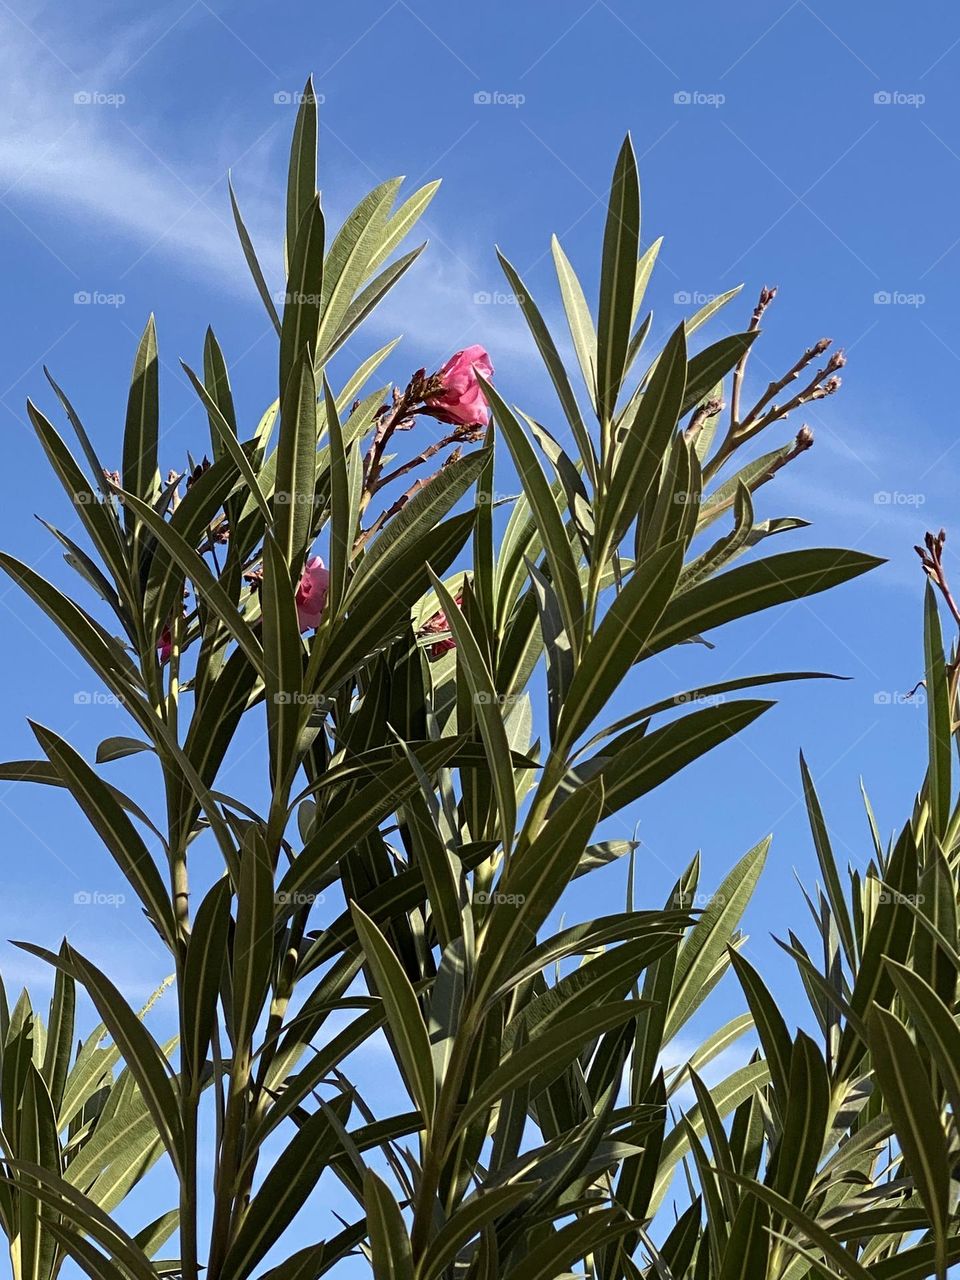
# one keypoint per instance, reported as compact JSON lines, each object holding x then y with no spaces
{"x":563,"y":569}
{"x":114,"y":828}
{"x":487,"y":708}
{"x":141,"y":433}
{"x":302,"y":169}
{"x":295,"y":477}
{"x":939,"y":727}
{"x":301,"y":312}
{"x":253,"y":937}
{"x":916,"y":1119}
{"x":390,"y":1249}
{"x":284,"y":1190}
{"x":618,"y":274}
{"x":403,"y":1012}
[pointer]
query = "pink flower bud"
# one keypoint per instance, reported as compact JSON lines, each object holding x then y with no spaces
{"x":165,"y":646}
{"x":312,"y":593}
{"x":437,"y":625}
{"x":460,"y":400}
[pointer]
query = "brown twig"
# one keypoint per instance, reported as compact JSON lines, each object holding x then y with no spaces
{"x":767,"y":295}
{"x":931,"y":557}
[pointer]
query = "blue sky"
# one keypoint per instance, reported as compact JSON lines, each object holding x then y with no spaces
{"x":810,"y":146}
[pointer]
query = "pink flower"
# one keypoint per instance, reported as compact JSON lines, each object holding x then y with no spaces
{"x":312,"y":593}
{"x":166,"y":644}
{"x":460,"y":400}
{"x":436,"y":626}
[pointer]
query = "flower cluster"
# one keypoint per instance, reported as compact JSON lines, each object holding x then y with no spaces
{"x":452,"y":395}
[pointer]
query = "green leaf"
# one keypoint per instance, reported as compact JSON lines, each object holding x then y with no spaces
{"x":828,"y":864}
{"x":579,"y":320}
{"x":544,"y":1055}
{"x":726,"y":1097}
{"x":936,"y":1028}
{"x":348,"y":262}
{"x":939,"y":727}
{"x":637,"y":768}
{"x":563,"y":569}
{"x":283,"y":663}
{"x":748,"y":1245}
{"x":38,"y":1144}
{"x":768,"y":1020}
{"x":805,"y":1116}
{"x":403,"y":1013}
{"x":707,"y":367}
{"x":647,"y":438}
{"x":618,"y":276}
{"x":554,"y":365}
{"x":97,"y":515}
{"x":358,"y":817}
{"x":141,"y":433}
{"x":140,"y":1051}
{"x":342,"y":522}
{"x":231,"y":444}
{"x":284,"y":1190}
{"x":621,"y":636}
{"x":100,"y":650}
{"x":916,"y":1119}
{"x":118,"y":1143}
{"x":250,"y":255}
{"x":60,"y":1028}
{"x":366,"y":300}
{"x":532,"y":885}
{"x":486,"y":705}
{"x":202,"y":974}
{"x":421,"y":514}
{"x":295,"y":480}
{"x":301,"y":311}
{"x":208,"y":586}
{"x":749,"y":588}
{"x":391,"y":1253}
{"x":253,"y":937}
{"x":477,"y":1212}
{"x":302,"y":169}
{"x":381,"y":604}
{"x":555,"y":1255}
{"x":114,"y":828}
{"x":711,"y":936}
{"x":216,"y":379}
